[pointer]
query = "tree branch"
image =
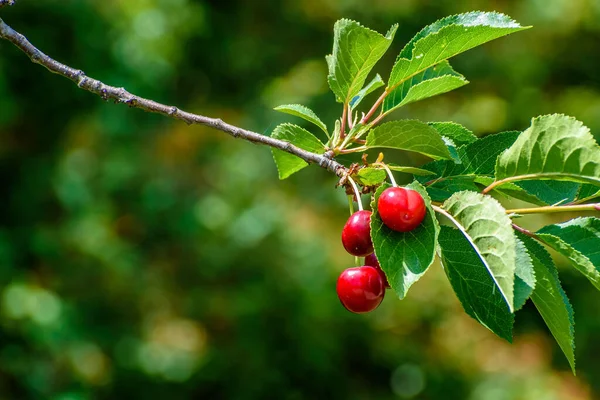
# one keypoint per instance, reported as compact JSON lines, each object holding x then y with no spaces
{"x":120,"y":95}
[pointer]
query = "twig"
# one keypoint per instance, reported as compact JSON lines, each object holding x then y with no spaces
{"x":343,"y":122}
{"x":120,"y":95}
{"x":373,"y":109}
{"x":555,"y":209}
{"x":524,"y":231}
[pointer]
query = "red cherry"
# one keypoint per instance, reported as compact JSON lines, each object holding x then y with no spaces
{"x":401,"y":209}
{"x":372,"y":261}
{"x":356,"y":235}
{"x":360,"y":289}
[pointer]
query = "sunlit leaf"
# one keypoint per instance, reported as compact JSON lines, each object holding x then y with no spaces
{"x":356,"y":49}
{"x":484,"y":223}
{"x":404,"y":256}
{"x":473,"y":285}
{"x":304,"y":113}
{"x":287,"y":164}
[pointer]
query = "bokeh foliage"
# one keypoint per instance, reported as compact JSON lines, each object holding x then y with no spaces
{"x":143,"y":258}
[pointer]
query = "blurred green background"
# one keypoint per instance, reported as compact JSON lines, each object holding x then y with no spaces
{"x":143,"y":258}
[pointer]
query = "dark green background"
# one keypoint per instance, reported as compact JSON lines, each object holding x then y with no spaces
{"x":142,"y":258}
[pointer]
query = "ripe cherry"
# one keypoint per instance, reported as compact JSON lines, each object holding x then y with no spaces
{"x":401,"y":209}
{"x":356,"y":235}
{"x":372,"y":261}
{"x":360,"y":289}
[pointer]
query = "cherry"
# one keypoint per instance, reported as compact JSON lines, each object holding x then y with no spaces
{"x":360,"y":289}
{"x":356,"y":235}
{"x":372,"y":261}
{"x":401,"y":209}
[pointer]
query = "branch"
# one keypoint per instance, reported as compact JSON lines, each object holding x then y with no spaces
{"x":555,"y":209}
{"x":120,"y":95}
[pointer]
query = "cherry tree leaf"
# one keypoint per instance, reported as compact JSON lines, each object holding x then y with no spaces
{"x":551,"y":300}
{"x":409,"y":170}
{"x":579,"y":241}
{"x":287,"y":164}
{"x":483,"y":222}
{"x":356,"y":50}
{"x":455,"y":132}
{"x":477,"y":160}
{"x":588,"y":192}
{"x":435,"y":80}
{"x":524,"y":275}
{"x":404,"y":256}
{"x":303,"y":112}
{"x":446,"y":38}
{"x":375,"y":84}
{"x":370,"y":176}
{"x":554,"y":147}
{"x":473,"y":285}
{"x":549,"y":192}
{"x":411,"y":135}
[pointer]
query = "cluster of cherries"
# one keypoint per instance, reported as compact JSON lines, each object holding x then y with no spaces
{"x":361,"y":289}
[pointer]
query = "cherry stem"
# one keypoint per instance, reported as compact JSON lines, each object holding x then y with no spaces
{"x":351,"y":204}
{"x":356,"y":192}
{"x":389,"y":172}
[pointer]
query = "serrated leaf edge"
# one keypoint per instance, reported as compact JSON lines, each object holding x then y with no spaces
{"x":472,"y":243}
{"x":319,"y":123}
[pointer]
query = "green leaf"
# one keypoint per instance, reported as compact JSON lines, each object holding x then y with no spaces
{"x":452,"y":149}
{"x":550,"y":192}
{"x":411,"y":135}
{"x":287,"y":164}
{"x":510,"y":190}
{"x":588,"y":192}
{"x":356,"y":49}
{"x":438,"y":79}
{"x":455,"y":132}
{"x":409,"y":170}
{"x":304,"y":113}
{"x":375,"y":84}
{"x":477,"y":159}
{"x":404,"y":256}
{"x":446,"y":38}
{"x":473,"y":285}
{"x":579,"y":241}
{"x":370,"y":176}
{"x":524,"y":275}
{"x":442,"y":190}
{"x":551,"y":300}
{"x":553,"y":147}
{"x":484,"y":223}
{"x":536,"y":192}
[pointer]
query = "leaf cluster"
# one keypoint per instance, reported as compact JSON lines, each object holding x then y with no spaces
{"x":493,"y":265}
